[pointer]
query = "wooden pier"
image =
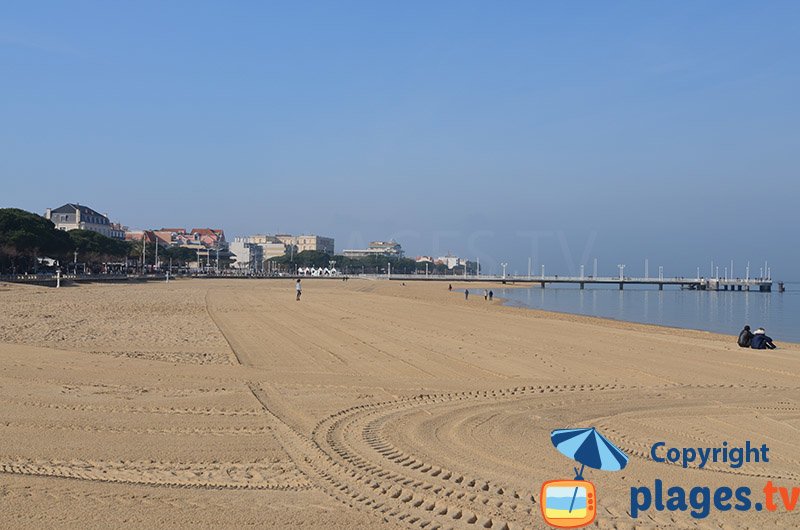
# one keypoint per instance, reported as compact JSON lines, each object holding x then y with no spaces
{"x":763,"y":285}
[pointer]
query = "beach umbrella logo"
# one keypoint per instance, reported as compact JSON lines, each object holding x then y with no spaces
{"x":573,"y":503}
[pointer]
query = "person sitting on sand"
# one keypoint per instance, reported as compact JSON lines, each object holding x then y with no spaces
{"x":761,"y":341}
{"x":745,"y":337}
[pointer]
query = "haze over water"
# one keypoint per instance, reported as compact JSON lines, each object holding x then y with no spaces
{"x":718,"y":311}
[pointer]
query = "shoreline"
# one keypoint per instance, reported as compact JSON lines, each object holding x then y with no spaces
{"x":619,"y":323}
{"x":498,"y":301}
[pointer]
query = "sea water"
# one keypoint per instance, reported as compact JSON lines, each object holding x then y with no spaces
{"x":718,"y":311}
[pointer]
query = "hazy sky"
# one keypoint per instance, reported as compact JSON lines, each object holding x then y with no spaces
{"x":566,"y":130}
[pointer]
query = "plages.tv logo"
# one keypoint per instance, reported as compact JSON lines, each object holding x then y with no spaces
{"x":573,"y":503}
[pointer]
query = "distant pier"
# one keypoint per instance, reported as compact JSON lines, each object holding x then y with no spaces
{"x":698,"y":284}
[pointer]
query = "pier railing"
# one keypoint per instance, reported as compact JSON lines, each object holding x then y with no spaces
{"x":710,"y":284}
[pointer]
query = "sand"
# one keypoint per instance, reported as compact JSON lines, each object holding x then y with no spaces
{"x":369,"y":404}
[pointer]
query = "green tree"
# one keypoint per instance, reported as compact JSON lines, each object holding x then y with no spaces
{"x":26,"y":236}
{"x":375,"y":265}
{"x":179,"y":255}
{"x":94,"y":248}
{"x":306,"y":258}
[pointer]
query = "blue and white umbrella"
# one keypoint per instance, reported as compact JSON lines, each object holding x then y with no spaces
{"x":590,"y":448}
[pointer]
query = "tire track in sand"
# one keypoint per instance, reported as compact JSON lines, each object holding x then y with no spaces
{"x":283,"y":476}
{"x":371,"y":492}
{"x":215,"y":319}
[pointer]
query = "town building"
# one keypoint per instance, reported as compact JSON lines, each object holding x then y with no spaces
{"x":377,"y":248}
{"x":78,"y":217}
{"x":148,"y":236}
{"x":450,"y":261}
{"x":307,"y":242}
{"x":209,"y":237}
{"x":271,"y":246}
{"x":172,"y":236}
{"x":246,"y":254}
{"x":197,"y":238}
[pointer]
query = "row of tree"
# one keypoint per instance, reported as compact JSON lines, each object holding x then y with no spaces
{"x":27,"y":238}
{"x":367,"y":264}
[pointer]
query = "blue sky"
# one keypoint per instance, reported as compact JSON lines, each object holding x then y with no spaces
{"x":564,"y":130}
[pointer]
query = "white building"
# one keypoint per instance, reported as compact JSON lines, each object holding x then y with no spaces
{"x":377,"y":248}
{"x":247,"y":255}
{"x":450,"y":262}
{"x":76,"y":217}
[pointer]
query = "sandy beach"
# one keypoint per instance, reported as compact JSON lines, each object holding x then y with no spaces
{"x":369,"y":404}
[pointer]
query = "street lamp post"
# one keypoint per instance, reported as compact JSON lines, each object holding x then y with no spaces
{"x":504,"y":265}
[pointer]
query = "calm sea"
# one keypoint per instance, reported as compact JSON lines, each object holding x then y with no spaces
{"x":717,"y":311}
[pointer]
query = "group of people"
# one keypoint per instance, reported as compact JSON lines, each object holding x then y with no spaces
{"x":757,"y":341}
{"x":487,"y":294}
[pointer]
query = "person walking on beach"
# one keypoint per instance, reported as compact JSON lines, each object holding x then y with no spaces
{"x":466,"y":294}
{"x":298,"y":288}
{"x":486,"y":294}
{"x":745,"y":337}
{"x":761,"y":341}
{"x":450,"y":287}
{"x":491,"y":295}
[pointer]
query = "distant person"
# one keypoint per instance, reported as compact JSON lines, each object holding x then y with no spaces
{"x":745,"y":337}
{"x":486,"y":294}
{"x":450,"y":287}
{"x":298,"y":288}
{"x":466,"y":294}
{"x":761,"y":341}
{"x":491,"y":295}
